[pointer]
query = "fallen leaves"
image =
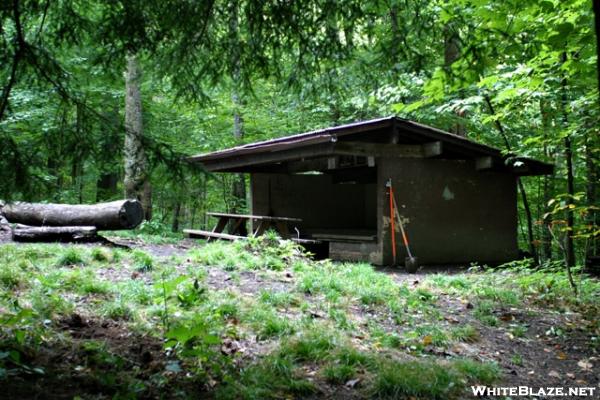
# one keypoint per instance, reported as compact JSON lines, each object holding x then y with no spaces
{"x":427,"y":340}
{"x":585,"y":365}
{"x":554,"y":374}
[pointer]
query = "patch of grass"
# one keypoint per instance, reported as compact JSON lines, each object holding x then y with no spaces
{"x":117,"y":309}
{"x":484,"y":312}
{"x":517,"y":359}
{"x":392,"y":340}
{"x":428,"y":380}
{"x":270,"y":378}
{"x":71,"y":256}
{"x":267,"y":323}
{"x":359,"y":281}
{"x":518,"y":330}
{"x":429,"y":334}
{"x":311,"y":345}
{"x":338,"y":374}
{"x":465,"y":333}
{"x":278,"y":298}
{"x":84,"y":281}
{"x":142,"y":261}
{"x":48,"y":304}
{"x":453,"y":284}
{"x":482,"y":373}
{"x":507,"y":297}
{"x":420,"y":379}
{"x":11,"y":277}
{"x":101,"y":254}
{"x":340,"y":317}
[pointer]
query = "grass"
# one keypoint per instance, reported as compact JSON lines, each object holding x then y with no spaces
{"x":300,"y":325}
{"x":465,"y":333}
{"x":428,"y":380}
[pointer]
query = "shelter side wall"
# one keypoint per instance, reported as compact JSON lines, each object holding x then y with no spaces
{"x":315,"y":199}
{"x":455,"y":213}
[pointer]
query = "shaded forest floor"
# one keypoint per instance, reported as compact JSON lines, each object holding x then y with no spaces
{"x":258,"y":319}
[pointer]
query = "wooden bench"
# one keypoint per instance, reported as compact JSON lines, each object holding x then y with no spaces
{"x":238,"y":221}
{"x":198,"y":233}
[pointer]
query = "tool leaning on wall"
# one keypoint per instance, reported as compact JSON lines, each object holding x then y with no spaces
{"x":410,"y":263}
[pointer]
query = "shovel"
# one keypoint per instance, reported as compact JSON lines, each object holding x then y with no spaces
{"x":411,"y":263}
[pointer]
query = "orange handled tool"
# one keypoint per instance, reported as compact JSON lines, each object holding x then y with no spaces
{"x":392,"y":218}
{"x":411,"y":262}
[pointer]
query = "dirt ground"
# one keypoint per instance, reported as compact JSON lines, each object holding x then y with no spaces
{"x":548,"y":357}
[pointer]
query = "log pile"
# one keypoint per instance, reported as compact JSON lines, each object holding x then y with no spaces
{"x":37,"y":222}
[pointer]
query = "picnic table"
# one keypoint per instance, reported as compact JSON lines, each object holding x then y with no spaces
{"x":238,"y":224}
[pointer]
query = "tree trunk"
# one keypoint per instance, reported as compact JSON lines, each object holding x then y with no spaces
{"x":25,"y":233}
{"x":111,"y":146}
{"x":548,"y":191}
{"x":568,"y":149}
{"x":592,"y":154}
{"x":176,"y":212}
{"x":239,"y":182}
{"x":106,"y":186}
{"x":500,"y":127}
{"x":451,"y":54}
{"x":121,"y":214}
{"x":592,"y":164}
{"x":137,"y":184}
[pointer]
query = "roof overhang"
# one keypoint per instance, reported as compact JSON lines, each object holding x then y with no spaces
{"x":384,"y":137}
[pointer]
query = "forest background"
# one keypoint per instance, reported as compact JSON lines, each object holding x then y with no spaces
{"x":101,"y":100}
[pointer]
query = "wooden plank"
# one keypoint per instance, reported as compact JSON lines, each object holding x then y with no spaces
{"x":433,"y":149}
{"x":250,"y":216}
{"x":196,"y":233}
{"x":344,"y":237}
{"x":293,"y":154}
{"x":379,"y":149}
{"x":208,"y":234}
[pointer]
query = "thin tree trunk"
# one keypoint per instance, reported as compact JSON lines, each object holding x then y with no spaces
{"x":548,"y":192}
{"x":452,"y":50}
{"x":17,"y":57}
{"x":568,"y":149}
{"x":528,"y":216}
{"x":239,"y":181}
{"x":176,"y":212}
{"x":137,"y":184}
{"x":592,"y":157}
{"x":592,"y":164}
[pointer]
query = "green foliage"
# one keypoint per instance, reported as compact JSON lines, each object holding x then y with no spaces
{"x":465,"y":333}
{"x":72,"y":256}
{"x":311,"y":345}
{"x":143,"y":261}
{"x":422,"y":379}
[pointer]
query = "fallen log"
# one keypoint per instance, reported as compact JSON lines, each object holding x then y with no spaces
{"x":121,"y":214}
{"x":22,"y":233}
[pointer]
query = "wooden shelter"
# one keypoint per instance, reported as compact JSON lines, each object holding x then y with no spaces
{"x":457,"y":197}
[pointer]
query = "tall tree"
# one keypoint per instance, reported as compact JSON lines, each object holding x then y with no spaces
{"x":137,"y":179}
{"x":239,"y":182}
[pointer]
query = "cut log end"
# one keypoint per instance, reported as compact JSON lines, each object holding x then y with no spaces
{"x":131,"y":214}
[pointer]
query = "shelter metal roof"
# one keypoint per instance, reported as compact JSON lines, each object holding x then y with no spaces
{"x":329,"y":141}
